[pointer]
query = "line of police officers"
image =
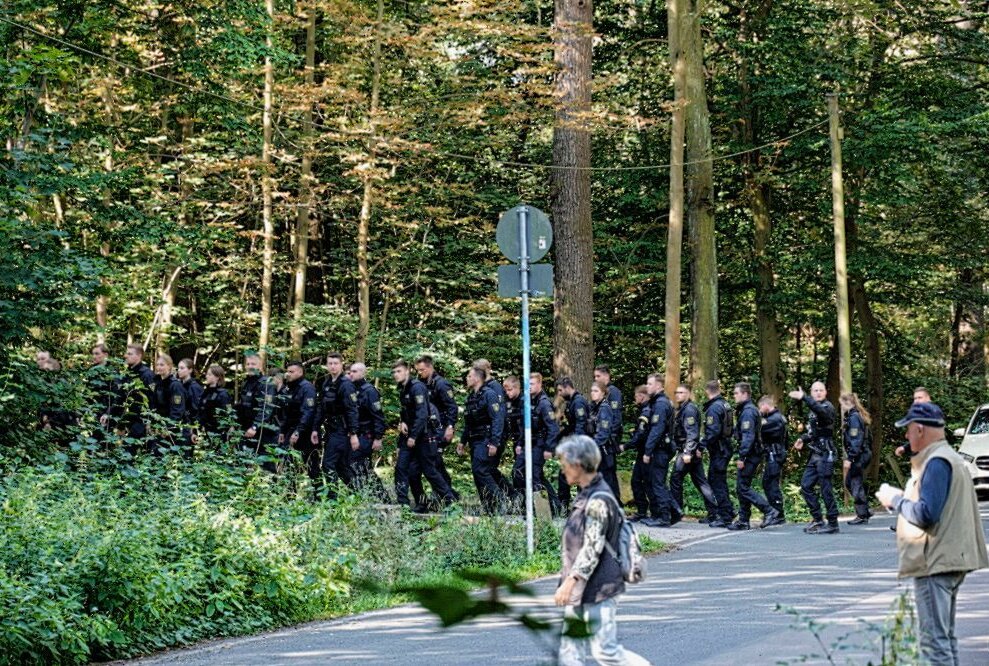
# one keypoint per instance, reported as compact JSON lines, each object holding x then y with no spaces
{"x":337,"y":427}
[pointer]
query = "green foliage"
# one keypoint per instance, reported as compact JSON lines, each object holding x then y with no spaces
{"x":98,"y":564}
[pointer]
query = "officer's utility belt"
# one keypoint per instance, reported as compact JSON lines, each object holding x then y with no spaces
{"x":776,"y":451}
{"x":822,"y":446}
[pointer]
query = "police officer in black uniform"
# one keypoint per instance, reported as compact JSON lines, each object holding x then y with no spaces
{"x":258,"y":411}
{"x":575,"y":414}
{"x":442,"y":398}
{"x":336,"y":416}
{"x":858,"y":453}
{"x":774,"y":453}
{"x":169,"y":401}
{"x":545,"y":436}
{"x":512,"y":436}
{"x":689,"y":460}
{"x":602,"y":375}
{"x":657,"y":454}
{"x":101,"y":388}
{"x":492,"y":384}
{"x":214,"y":405}
{"x":370,"y":432}
{"x":484,"y":423}
{"x":819,"y":437}
{"x":193,"y":390}
{"x":417,"y":440}
{"x":601,"y":426}
{"x":298,"y":414}
{"x":717,"y":441}
{"x":641,"y":480}
{"x":748,"y":426}
{"x":134,"y":395}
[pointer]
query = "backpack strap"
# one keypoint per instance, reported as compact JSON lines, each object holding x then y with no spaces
{"x":621,"y":520}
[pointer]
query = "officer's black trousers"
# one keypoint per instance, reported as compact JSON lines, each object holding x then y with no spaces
{"x":485,"y":468}
{"x":539,"y":481}
{"x":772,"y":472}
{"x":441,"y":468}
{"x":717,"y":476}
{"x":415,"y":463}
{"x":662,"y":505}
{"x":747,"y":496}
{"x":819,"y":470}
{"x":609,"y":470}
{"x":336,"y":460}
{"x":855,"y":482}
{"x":695,"y":469}
{"x":641,"y":486}
{"x":362,"y":468}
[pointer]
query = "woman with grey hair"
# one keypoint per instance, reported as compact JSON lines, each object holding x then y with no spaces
{"x":591,"y":577}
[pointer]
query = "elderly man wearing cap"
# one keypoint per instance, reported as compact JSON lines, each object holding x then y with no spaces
{"x":939,"y":533}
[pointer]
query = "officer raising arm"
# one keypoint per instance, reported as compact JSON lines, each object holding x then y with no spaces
{"x":819,"y":437}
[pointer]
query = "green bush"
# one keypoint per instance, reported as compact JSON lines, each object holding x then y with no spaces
{"x":109,"y":564}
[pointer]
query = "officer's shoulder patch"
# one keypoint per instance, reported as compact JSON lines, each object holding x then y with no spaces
{"x":655,"y":418}
{"x":353,"y":396}
{"x":604,"y":423}
{"x":614,"y":404}
{"x":310,"y":402}
{"x":495,"y":407}
{"x":177,"y":399}
{"x":746,"y":425}
{"x":450,"y":393}
{"x":710,"y":420}
{"x":419,"y":399}
{"x":376,"y":405}
{"x":580,"y":411}
{"x":853,"y":432}
{"x":691,"y":420}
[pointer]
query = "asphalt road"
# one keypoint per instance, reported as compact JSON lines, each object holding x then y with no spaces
{"x":712,"y":601}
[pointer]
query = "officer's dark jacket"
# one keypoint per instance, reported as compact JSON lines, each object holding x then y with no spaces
{"x":169,"y":398}
{"x":415,"y":412}
{"x":660,"y":425}
{"x":717,"y":426}
{"x":820,"y":424}
{"x":855,"y":436}
{"x":484,"y":418}
{"x":213,"y":406}
{"x":774,"y":434}
{"x":442,"y":397}
{"x":513,"y":422}
{"x":370,"y":415}
{"x":577,"y":411}
{"x":298,"y":412}
{"x":601,"y":423}
{"x":336,"y":406}
{"x":256,"y":405}
{"x":614,"y":398}
{"x":748,"y":426}
{"x":135,"y":392}
{"x":497,"y":389}
{"x":193,"y":399}
{"x":687,"y":427}
{"x":638,"y":440}
{"x":545,"y":429}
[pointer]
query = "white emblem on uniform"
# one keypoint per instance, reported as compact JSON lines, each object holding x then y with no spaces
{"x":177,"y":399}
{"x":614,"y":404}
{"x":655,"y":418}
{"x":710,"y":420}
{"x":580,"y":411}
{"x":309,"y":402}
{"x":604,"y":423}
{"x":691,"y":420}
{"x":419,"y":399}
{"x":495,"y":407}
{"x":353,"y":396}
{"x":746,"y":425}
{"x":853,"y":432}
{"x":376,"y":405}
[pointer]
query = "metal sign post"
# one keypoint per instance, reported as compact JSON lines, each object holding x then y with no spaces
{"x":523,"y":216}
{"x":524,"y":235}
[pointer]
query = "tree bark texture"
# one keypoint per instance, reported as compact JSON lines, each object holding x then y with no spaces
{"x":674,"y":243}
{"x":700,"y":204}
{"x":268,"y":223}
{"x":570,"y":192}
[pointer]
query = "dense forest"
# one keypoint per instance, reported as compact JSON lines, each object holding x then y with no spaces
{"x":207,"y":177}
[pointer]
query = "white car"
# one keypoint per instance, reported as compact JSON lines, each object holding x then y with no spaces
{"x":974,"y":449}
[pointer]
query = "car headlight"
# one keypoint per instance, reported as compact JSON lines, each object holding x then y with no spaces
{"x":967,"y":458}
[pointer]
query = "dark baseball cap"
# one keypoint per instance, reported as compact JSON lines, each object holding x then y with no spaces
{"x":925,"y":413}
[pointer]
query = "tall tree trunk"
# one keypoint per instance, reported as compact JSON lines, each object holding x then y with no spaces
{"x":700,"y":205}
{"x":268,"y":223}
{"x":570,"y":187}
{"x":303,"y":221}
{"x":364,"y":222}
{"x":674,"y":243}
{"x":758,"y":194}
{"x":168,"y":292}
